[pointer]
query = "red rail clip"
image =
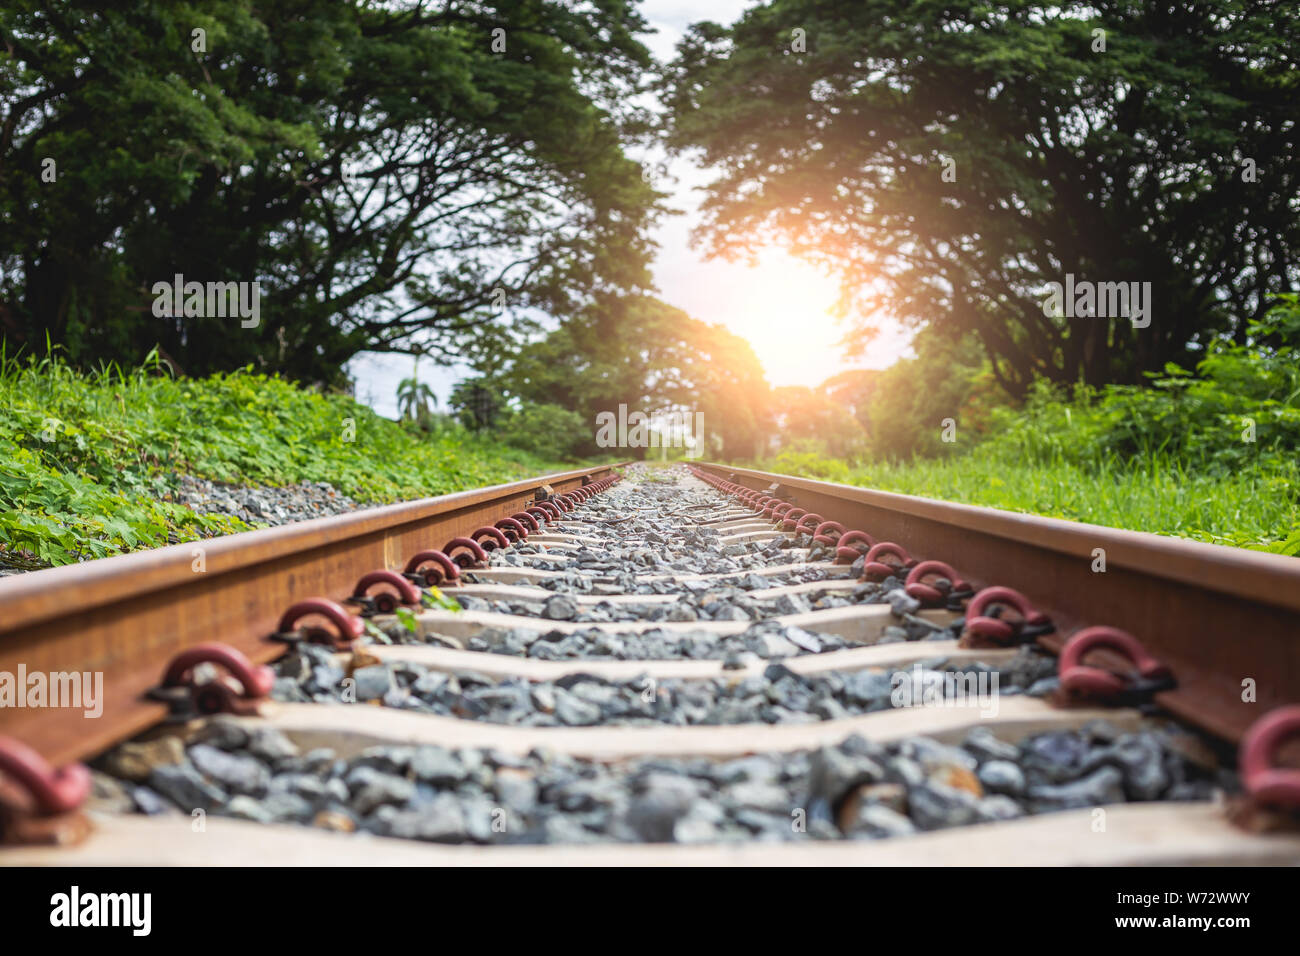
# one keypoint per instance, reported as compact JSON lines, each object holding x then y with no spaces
{"x":465,"y":552}
{"x":876,"y":568}
{"x":432,"y":569}
{"x":928,"y":594}
{"x":984,"y":629}
{"x":39,"y":804}
{"x":1082,"y":681}
{"x":385,"y":602}
{"x":240,"y":691}
{"x":1269,"y":785}
{"x":347,"y":627}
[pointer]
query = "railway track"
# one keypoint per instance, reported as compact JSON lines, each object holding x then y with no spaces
{"x":667,"y":666}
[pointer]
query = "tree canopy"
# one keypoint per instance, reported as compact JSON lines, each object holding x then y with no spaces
{"x":388,"y":174}
{"x":638,"y":352}
{"x":950,"y":159}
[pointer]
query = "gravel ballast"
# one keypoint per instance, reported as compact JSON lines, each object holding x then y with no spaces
{"x":857,"y":789}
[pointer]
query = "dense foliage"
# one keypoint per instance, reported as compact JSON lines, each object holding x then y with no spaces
{"x":950,"y":159}
{"x":388,"y":173}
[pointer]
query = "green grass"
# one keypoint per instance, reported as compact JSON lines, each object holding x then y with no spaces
{"x":1250,"y":507}
{"x":87,"y":461}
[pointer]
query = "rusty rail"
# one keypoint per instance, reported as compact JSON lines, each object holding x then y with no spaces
{"x":129,"y":616}
{"x":1225,"y":620}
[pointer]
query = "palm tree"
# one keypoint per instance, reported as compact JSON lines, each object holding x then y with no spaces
{"x":415,"y":400}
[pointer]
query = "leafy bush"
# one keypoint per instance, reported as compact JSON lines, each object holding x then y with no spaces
{"x":910,"y":400}
{"x":1241,"y":409}
{"x":808,"y":458}
{"x":548,"y":431}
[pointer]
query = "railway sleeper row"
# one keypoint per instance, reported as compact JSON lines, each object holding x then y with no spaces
{"x":659,"y":676}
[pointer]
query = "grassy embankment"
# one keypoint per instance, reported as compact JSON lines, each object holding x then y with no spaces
{"x":1255,"y":508}
{"x":88,"y":461}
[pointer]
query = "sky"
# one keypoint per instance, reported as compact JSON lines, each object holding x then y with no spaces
{"x":781,"y":306}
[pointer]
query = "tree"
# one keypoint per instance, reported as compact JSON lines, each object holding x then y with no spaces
{"x":636,"y":351}
{"x":952,"y":158}
{"x":809,"y":415}
{"x":415,"y":400}
{"x":478,"y":403}
{"x":388,"y":173}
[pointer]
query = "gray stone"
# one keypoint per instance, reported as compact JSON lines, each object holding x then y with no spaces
{"x":1002,"y":776}
{"x":774,"y":645}
{"x":373,"y":682}
{"x":244,"y":807}
{"x":693,"y":829}
{"x":371,"y":788}
{"x":832,"y":773}
{"x":791,"y":604}
{"x":318,"y":760}
{"x":1141,"y":760}
{"x":934,"y":806}
{"x":440,"y":821}
{"x":236,"y":772}
{"x":575,"y":712}
{"x":516,"y":791}
{"x":933,"y":755}
{"x":867,"y":688}
{"x":152,"y":803}
{"x":560,"y":608}
{"x":878,"y":820}
{"x":758,"y":769}
{"x":682,"y":612}
{"x":999,"y":807}
{"x":1103,"y":786}
{"x":543,"y":697}
{"x":108,"y":794}
{"x":654,"y":813}
{"x":760,"y":796}
{"x":982,"y":743}
{"x":386,"y":758}
{"x":269,"y":744}
{"x":222,"y":731}
{"x":287,"y":808}
{"x":437,"y":766}
{"x":184,"y":786}
{"x":805,"y":640}
{"x":326,"y":677}
{"x":1058,"y":751}
{"x":900,"y":602}
{"x":906,"y":771}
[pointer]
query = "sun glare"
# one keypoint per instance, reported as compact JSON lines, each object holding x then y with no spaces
{"x":784,"y":308}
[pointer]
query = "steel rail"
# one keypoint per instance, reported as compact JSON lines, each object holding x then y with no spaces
{"x":1225,"y":620}
{"x":128,"y":616}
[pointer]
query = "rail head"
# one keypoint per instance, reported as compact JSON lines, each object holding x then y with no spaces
{"x":1225,"y":619}
{"x":127,"y":617}
{"x":36,"y":596}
